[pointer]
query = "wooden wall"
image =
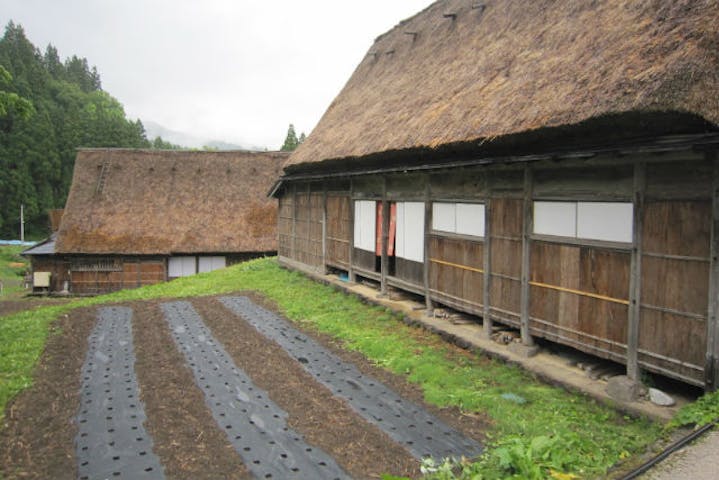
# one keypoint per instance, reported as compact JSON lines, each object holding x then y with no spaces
{"x":300,"y":224}
{"x":95,"y":275}
{"x":591,"y":295}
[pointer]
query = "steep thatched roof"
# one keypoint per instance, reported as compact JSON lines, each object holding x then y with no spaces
{"x":474,"y":71}
{"x":161,"y":202}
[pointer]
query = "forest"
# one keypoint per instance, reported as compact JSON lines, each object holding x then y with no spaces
{"x":48,"y":109}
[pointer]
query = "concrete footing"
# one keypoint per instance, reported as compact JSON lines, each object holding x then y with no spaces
{"x":525,"y":351}
{"x":624,"y":389}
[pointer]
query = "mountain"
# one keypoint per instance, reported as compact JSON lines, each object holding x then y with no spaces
{"x":187,"y":140}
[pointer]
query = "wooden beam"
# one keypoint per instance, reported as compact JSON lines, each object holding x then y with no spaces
{"x":427,"y":229}
{"x":712,"y":355}
{"x":384,"y":260}
{"x":350,"y":259}
{"x":487,"y":260}
{"x":635,"y":273}
{"x":527,"y":226}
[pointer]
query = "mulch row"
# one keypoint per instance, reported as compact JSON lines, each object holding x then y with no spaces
{"x":37,"y":439}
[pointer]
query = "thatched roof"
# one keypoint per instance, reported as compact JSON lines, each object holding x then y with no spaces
{"x":162,"y":202}
{"x":475,"y":71}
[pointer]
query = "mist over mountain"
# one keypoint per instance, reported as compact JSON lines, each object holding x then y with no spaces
{"x":188,"y":140}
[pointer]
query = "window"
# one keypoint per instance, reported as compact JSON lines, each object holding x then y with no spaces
{"x":365,"y":224}
{"x":607,"y":221}
{"x":459,"y":218}
{"x":410,"y":231}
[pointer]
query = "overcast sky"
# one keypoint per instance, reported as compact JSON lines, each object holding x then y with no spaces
{"x":234,"y":70}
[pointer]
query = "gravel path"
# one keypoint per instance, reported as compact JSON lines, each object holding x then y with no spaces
{"x":698,"y":461}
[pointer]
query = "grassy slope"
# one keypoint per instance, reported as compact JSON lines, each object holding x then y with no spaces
{"x":570,"y":433}
{"x":11,"y":276}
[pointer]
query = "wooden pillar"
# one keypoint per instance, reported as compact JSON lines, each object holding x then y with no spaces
{"x":487,"y":265}
{"x":309,"y":250}
{"x":324,"y":228}
{"x":139,"y":273}
{"x":350,"y":258}
{"x":712,"y":355}
{"x":427,"y":229}
{"x":384,"y":260}
{"x":635,"y":274}
{"x":293,"y":250}
{"x":527,"y":226}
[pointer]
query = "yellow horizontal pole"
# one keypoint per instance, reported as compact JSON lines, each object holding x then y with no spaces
{"x":456,"y":265}
{"x":580,"y":292}
{"x":539,"y":284}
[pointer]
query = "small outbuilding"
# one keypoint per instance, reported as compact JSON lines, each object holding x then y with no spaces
{"x":138,"y":217}
{"x":549,"y":166}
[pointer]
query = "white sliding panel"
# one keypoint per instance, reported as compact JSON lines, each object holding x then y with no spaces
{"x":444,"y":217}
{"x":208,"y":264}
{"x":470,"y":219}
{"x":610,"y":221}
{"x":180,"y":267}
{"x":410,"y":231}
{"x":555,"y":218}
{"x":365,"y":223}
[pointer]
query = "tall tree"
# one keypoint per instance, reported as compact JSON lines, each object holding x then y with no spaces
{"x":49,"y":108}
{"x":291,"y":141}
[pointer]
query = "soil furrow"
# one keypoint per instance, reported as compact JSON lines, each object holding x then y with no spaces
{"x":187,"y":439}
{"x":323,"y":419}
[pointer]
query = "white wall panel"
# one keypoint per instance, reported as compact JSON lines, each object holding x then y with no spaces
{"x":410,"y":231}
{"x":444,"y":217}
{"x":365,"y":222}
{"x":555,"y":218}
{"x":470,"y":219}
{"x":610,"y":221}
{"x":180,"y":266}
{"x":208,"y":264}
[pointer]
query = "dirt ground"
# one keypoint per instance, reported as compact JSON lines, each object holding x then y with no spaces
{"x":37,"y":437}
{"x":8,"y":307}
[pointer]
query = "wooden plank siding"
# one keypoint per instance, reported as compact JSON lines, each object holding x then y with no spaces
{"x":127,"y":273}
{"x":677,"y":253}
{"x":506,"y":259}
{"x":456,"y":273}
{"x":578,"y":292}
{"x":338,"y":230}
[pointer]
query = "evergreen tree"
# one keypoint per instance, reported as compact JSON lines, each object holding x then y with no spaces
{"x":302,"y":138}
{"x":291,"y":141}
{"x":49,"y":108}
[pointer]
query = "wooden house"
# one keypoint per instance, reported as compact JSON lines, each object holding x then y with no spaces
{"x":550,"y":166}
{"x":138,"y":217}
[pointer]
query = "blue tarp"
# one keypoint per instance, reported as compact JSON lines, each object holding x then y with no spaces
{"x":16,"y":242}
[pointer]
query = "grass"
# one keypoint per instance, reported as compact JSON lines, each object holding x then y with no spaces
{"x":537,"y":430}
{"x":12,"y":271}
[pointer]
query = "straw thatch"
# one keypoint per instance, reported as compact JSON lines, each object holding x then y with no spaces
{"x":162,"y":202}
{"x":473,"y":71}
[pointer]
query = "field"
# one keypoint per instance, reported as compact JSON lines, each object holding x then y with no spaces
{"x":530,"y":429}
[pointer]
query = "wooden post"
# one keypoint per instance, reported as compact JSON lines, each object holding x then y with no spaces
{"x":311,"y":259}
{"x":350,"y":270}
{"x":427,"y":229}
{"x":293,"y":251}
{"x":324,"y":228}
{"x":384,"y":260}
{"x":527,"y":226}
{"x":487,"y":265}
{"x":712,"y":355}
{"x":635,"y":274}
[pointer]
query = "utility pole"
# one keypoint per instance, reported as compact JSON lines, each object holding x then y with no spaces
{"x":22,"y":222}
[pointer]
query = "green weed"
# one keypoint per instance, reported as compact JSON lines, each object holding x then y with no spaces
{"x":552,"y":433}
